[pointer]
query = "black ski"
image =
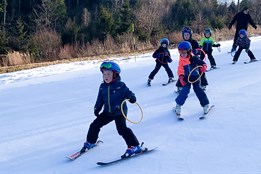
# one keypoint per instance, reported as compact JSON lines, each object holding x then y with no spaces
{"x":212,"y":69}
{"x":145,"y":151}
{"x":165,"y":84}
{"x":209,"y":111}
{"x":79,"y":153}
{"x":250,"y":61}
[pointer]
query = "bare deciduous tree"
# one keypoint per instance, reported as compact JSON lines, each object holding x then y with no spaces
{"x":149,"y":15}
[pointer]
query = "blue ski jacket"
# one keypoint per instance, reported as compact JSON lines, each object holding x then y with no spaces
{"x":110,"y":97}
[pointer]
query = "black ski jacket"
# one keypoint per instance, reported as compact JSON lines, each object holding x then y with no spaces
{"x":242,"y":20}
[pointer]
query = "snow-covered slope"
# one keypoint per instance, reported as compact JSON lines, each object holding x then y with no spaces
{"x":45,"y":114}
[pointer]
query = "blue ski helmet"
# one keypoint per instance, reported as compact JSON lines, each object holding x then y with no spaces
{"x":207,"y":30}
{"x":112,"y":66}
{"x":187,"y":30}
{"x":243,"y":32}
{"x":185,"y":45}
{"x":164,"y":40}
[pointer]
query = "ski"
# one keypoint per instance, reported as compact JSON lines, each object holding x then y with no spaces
{"x":145,"y":151}
{"x":78,"y":153}
{"x":212,"y":69}
{"x":250,"y":61}
{"x":209,"y":111}
{"x":165,"y":84}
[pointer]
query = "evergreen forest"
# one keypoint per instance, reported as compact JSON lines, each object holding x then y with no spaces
{"x":47,"y":30}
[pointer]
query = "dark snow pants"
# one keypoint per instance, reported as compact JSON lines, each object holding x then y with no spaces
{"x":120,"y":121}
{"x":183,"y":95}
{"x":238,"y":52}
{"x":157,"y":68}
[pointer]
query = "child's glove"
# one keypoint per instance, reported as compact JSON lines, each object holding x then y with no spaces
{"x":169,"y":60}
{"x":247,"y":49}
{"x":182,"y":80}
{"x":203,"y":68}
{"x":216,"y":45}
{"x":132,"y":99}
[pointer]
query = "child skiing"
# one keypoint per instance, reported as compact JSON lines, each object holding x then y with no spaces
{"x":243,"y":42}
{"x":207,"y":42}
{"x":112,"y":93}
{"x":187,"y":36}
{"x":187,"y":63}
{"x":162,"y":57}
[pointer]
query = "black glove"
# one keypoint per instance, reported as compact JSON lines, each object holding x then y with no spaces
{"x":255,"y":27}
{"x":132,"y":99}
{"x":216,"y":45}
{"x":247,"y":49}
{"x":96,"y":112}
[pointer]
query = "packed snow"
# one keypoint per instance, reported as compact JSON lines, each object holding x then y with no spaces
{"x":45,"y":114}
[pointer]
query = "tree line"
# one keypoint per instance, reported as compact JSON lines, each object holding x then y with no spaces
{"x":55,"y":29}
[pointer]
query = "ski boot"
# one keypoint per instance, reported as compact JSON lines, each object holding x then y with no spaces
{"x":131,"y":151}
{"x":178,"y":109}
{"x":234,"y":62}
{"x":213,"y":67}
{"x":171,"y":80}
{"x":206,"y":109}
{"x":149,"y":82}
{"x":252,"y":60}
{"x":87,"y":146}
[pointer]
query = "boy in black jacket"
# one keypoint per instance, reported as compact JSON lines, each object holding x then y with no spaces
{"x":162,"y":57}
{"x":243,"y":42}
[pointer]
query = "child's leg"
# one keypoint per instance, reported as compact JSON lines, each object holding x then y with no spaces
{"x":155,"y":71}
{"x":96,"y":125}
{"x":203,"y":80}
{"x":183,"y":95}
{"x":125,"y":132}
{"x":211,"y":58}
{"x":168,"y":70}
{"x":237,"y":54}
{"x":203,"y":99}
{"x":251,"y":55}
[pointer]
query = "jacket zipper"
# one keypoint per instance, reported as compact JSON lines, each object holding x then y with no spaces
{"x":109,"y":103}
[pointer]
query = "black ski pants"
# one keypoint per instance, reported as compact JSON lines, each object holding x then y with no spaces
{"x":238,"y":52}
{"x":120,"y":121}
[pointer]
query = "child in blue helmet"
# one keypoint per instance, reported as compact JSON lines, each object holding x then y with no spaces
{"x":243,"y":42}
{"x":112,"y":93}
{"x":187,"y":36}
{"x":207,"y":42}
{"x":187,"y":77}
{"x":162,"y":57}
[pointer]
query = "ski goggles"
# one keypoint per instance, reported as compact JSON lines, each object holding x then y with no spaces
{"x":106,"y":65}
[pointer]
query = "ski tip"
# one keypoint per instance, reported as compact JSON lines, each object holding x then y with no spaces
{"x":101,"y":163}
{"x":180,"y":119}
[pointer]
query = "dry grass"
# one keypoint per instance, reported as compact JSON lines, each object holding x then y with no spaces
{"x":125,"y":45}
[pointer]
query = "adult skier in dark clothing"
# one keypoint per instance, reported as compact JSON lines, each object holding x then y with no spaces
{"x":242,"y":18}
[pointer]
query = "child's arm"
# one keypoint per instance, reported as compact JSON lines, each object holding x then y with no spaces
{"x":156,"y":54}
{"x":99,"y":103}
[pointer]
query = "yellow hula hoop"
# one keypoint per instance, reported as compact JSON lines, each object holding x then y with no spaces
{"x":126,"y":116}
{"x":192,"y":71}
